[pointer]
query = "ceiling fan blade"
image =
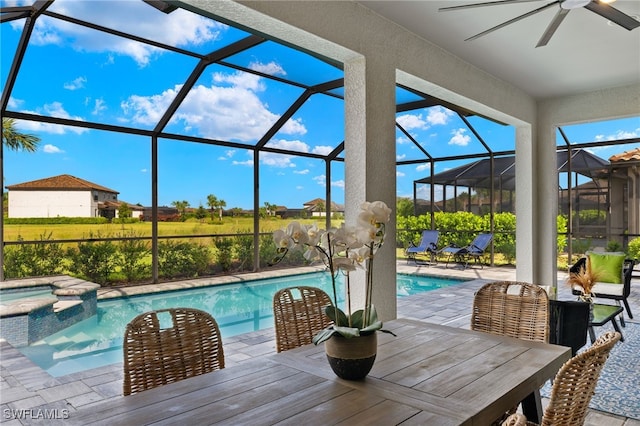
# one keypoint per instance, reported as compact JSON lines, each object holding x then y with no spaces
{"x":613,"y":14}
{"x":487,"y":3}
{"x":553,"y":26}
{"x":511,"y":21}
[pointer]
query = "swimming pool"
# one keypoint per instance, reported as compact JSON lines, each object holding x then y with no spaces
{"x":238,"y":308}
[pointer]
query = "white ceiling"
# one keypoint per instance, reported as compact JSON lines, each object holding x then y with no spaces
{"x":586,"y":52}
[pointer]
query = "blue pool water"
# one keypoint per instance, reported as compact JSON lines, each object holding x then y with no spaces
{"x":238,"y":308}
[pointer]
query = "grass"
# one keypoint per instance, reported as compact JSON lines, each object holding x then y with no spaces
{"x":230,"y":225}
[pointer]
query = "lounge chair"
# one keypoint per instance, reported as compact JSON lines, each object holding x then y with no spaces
{"x":475,"y":250}
{"x":613,"y":279}
{"x":428,"y":245}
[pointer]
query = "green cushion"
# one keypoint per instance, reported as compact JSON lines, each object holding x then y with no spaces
{"x":608,"y":266}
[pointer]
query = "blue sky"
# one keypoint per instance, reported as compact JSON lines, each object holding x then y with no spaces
{"x":72,"y":72}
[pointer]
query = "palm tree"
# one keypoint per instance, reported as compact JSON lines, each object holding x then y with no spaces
{"x":15,"y":140}
{"x":216,"y":204}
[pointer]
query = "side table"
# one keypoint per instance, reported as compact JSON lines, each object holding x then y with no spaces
{"x":602,"y":314}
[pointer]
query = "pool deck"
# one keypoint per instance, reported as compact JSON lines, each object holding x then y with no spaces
{"x":25,"y":386}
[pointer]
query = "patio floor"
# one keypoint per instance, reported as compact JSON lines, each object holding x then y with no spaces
{"x":24,"y":386}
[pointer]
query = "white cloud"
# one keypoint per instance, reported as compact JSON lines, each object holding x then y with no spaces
{"x":243,"y":163}
{"x":423,"y":167}
{"x":299,"y":187}
{"x":301,"y":172}
{"x":402,"y":140}
{"x":180,"y":28}
{"x":322,"y":149}
{"x":620,"y":134}
{"x":412,"y":121}
{"x":320,"y":180}
{"x":215,"y":111}
{"x":76,"y":84}
{"x":54,"y":109}
{"x":15,"y":103}
{"x":228,"y":154}
{"x":401,"y":157}
{"x":435,"y":116}
{"x":459,"y":138}
{"x":295,"y":145}
{"x":338,"y":184}
{"x":439,"y":115}
{"x":52,"y":149}
{"x":98,"y":106}
{"x":400,"y":174}
{"x":271,"y":68}
{"x":143,"y":170}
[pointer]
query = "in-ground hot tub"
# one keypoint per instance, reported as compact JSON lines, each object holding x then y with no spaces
{"x":28,"y":312}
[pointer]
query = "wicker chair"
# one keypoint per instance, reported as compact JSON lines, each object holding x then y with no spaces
{"x":297,"y":320}
{"x":168,"y":345}
{"x":513,"y":309}
{"x":574,"y":386}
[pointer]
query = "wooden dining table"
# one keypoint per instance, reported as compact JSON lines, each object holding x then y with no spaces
{"x":425,"y":374}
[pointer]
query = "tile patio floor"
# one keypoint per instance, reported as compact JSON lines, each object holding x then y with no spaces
{"x":24,"y":386}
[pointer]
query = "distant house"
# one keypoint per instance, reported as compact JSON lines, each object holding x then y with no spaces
{"x":317,"y":207}
{"x":62,"y":196}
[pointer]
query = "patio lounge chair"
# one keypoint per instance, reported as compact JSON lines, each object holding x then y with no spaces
{"x":574,"y":386}
{"x":428,"y":245}
{"x":475,"y":250}
{"x":169,"y":345}
{"x":613,"y":280}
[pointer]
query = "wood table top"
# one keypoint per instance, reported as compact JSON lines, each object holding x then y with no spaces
{"x":427,"y":374}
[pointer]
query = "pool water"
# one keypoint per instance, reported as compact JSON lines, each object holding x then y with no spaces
{"x":238,"y":308}
{"x":7,"y":296}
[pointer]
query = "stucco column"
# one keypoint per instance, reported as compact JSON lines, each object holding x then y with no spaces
{"x":545,"y":207}
{"x":525,"y":200}
{"x":370,"y":167}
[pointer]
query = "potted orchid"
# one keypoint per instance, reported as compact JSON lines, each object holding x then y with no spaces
{"x":343,"y":250}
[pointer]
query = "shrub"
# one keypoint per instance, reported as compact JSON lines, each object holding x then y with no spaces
{"x":94,"y":261}
{"x":634,"y":248}
{"x":561,"y":225}
{"x":244,"y":249}
{"x":182,"y":259}
{"x":581,"y":245}
{"x":133,"y":254}
{"x":26,"y":260}
{"x":614,"y":246}
{"x":225,"y":252}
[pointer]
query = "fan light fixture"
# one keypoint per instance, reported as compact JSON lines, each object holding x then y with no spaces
{"x":574,"y":4}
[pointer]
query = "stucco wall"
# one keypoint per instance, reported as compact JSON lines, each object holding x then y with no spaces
{"x":51,"y":204}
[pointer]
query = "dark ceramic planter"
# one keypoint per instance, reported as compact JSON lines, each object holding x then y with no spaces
{"x":353,"y":358}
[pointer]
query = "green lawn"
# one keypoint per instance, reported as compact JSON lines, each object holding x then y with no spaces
{"x":229,"y":225}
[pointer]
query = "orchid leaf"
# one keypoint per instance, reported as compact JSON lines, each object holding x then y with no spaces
{"x":347,"y":332}
{"x":331,"y":310}
{"x":373,"y":327}
{"x":323,"y":335}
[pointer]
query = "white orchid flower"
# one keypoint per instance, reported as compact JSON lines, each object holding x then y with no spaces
{"x":344,"y":264}
{"x":374,"y":213}
{"x":282,"y":240}
{"x":359,"y":256}
{"x":314,"y":233}
{"x":297,"y":232}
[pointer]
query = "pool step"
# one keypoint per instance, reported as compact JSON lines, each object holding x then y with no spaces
{"x":61,"y":305}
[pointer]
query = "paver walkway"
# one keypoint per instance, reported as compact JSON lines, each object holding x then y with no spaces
{"x":24,"y":386}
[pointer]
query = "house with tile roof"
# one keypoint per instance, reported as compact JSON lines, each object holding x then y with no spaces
{"x":625,"y":191}
{"x":62,"y":196}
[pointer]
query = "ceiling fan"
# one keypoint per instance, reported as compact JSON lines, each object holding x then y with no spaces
{"x":599,"y":7}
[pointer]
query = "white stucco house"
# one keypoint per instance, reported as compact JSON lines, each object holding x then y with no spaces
{"x":62,"y":196}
